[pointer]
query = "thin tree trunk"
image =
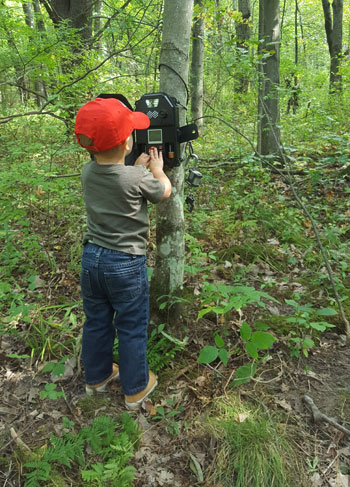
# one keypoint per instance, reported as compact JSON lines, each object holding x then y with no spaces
{"x":98,"y":21}
{"x":197,"y":66}
{"x":334,"y":33}
{"x":243,"y":35}
{"x":168,"y":274}
{"x":40,"y":86}
{"x":269,"y":70}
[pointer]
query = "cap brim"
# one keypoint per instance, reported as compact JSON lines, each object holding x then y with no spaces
{"x":140,"y":120}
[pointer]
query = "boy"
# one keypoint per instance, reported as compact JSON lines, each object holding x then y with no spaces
{"x":114,"y":279}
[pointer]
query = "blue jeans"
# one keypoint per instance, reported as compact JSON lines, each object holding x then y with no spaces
{"x":115,"y":297}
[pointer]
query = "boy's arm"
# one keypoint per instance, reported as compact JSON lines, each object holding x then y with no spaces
{"x":156,"y":167}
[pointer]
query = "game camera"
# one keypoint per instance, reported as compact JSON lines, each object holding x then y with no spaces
{"x":164,"y":132}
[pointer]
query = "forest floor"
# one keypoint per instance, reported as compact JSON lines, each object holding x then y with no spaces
{"x":179,"y":448}
{"x":165,"y":459}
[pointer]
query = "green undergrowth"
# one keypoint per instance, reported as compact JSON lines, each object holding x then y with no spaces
{"x":101,"y":452}
{"x":249,"y":216}
{"x":253,"y":446}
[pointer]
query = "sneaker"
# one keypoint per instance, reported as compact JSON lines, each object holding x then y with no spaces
{"x":135,"y":401}
{"x":101,"y":387}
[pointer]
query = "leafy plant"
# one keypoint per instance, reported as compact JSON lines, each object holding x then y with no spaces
{"x":50,"y":392}
{"x":210,"y":353}
{"x":101,"y":450}
{"x":47,"y":330}
{"x":228,"y":298}
{"x":167,"y":416}
{"x":304,"y":326}
{"x":253,"y":342}
{"x":56,"y":368}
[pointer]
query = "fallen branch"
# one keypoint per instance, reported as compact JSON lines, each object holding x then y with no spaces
{"x":20,"y":443}
{"x":318,"y":416}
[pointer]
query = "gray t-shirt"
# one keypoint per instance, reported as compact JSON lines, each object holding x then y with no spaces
{"x":116,"y":204}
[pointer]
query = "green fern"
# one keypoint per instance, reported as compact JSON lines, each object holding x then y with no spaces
{"x":39,"y":475}
{"x":162,"y":348}
{"x":107,"y":439}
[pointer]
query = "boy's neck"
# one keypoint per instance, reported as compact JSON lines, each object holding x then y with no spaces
{"x":102,"y":159}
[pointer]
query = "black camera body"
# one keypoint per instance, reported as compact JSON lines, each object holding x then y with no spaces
{"x":164,"y":132}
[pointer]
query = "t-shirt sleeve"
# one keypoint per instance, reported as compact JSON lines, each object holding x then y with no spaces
{"x":151,"y":188}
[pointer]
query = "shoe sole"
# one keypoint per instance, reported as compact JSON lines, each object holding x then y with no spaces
{"x":90,"y":390}
{"x":133,"y":406}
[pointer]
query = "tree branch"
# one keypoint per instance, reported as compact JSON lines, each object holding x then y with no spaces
{"x":318,"y":416}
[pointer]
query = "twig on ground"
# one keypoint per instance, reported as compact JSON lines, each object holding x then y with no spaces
{"x":318,"y":416}
{"x":20,"y":443}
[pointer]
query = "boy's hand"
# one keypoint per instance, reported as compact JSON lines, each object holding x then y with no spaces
{"x":156,"y":159}
{"x":156,"y":167}
{"x":143,"y":160}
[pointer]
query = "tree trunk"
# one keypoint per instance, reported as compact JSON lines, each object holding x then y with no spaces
{"x":197,"y":66}
{"x":40,"y":86}
{"x":269,"y":70}
{"x":168,"y":274}
{"x":97,"y":24}
{"x":78,"y":12}
{"x":31,"y":20}
{"x":243,"y":35}
{"x":334,"y":33}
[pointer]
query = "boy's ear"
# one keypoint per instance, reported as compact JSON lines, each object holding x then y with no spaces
{"x":128,"y":143}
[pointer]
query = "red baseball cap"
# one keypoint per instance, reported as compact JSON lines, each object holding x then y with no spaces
{"x":108,"y":123}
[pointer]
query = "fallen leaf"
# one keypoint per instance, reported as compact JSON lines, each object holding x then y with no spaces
{"x":196,"y":468}
{"x":284,"y":404}
{"x":200,"y":381}
{"x":342,"y":480}
{"x":316,"y":480}
{"x":240,"y":418}
{"x":149,"y":407}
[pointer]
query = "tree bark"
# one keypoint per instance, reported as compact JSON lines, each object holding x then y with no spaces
{"x":78,"y":12}
{"x":197,"y":66}
{"x":243,"y":30}
{"x":40,"y":86}
{"x":168,"y":274}
{"x":98,"y":7}
{"x":269,"y":70}
{"x":334,"y":32}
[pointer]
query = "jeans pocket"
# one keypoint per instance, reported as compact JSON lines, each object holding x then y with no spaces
{"x":85,"y":283}
{"x":123,"y":285}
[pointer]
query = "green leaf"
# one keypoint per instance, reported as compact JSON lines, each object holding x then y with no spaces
{"x":263,"y":340}
{"x":252,"y":349}
{"x":14,"y":355}
{"x":219,"y":342}
{"x":243,"y":374}
{"x":321,"y":325}
{"x":261,"y":326}
{"x":223,"y":355}
{"x":245,"y":332}
{"x":208,"y":354}
{"x":308,"y":343}
{"x":327,"y":312}
{"x":161,"y":411}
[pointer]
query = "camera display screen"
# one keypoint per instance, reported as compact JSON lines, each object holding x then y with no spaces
{"x":152,"y":102}
{"x":155,"y":136}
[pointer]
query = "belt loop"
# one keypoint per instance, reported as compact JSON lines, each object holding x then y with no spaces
{"x":98,"y":255}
